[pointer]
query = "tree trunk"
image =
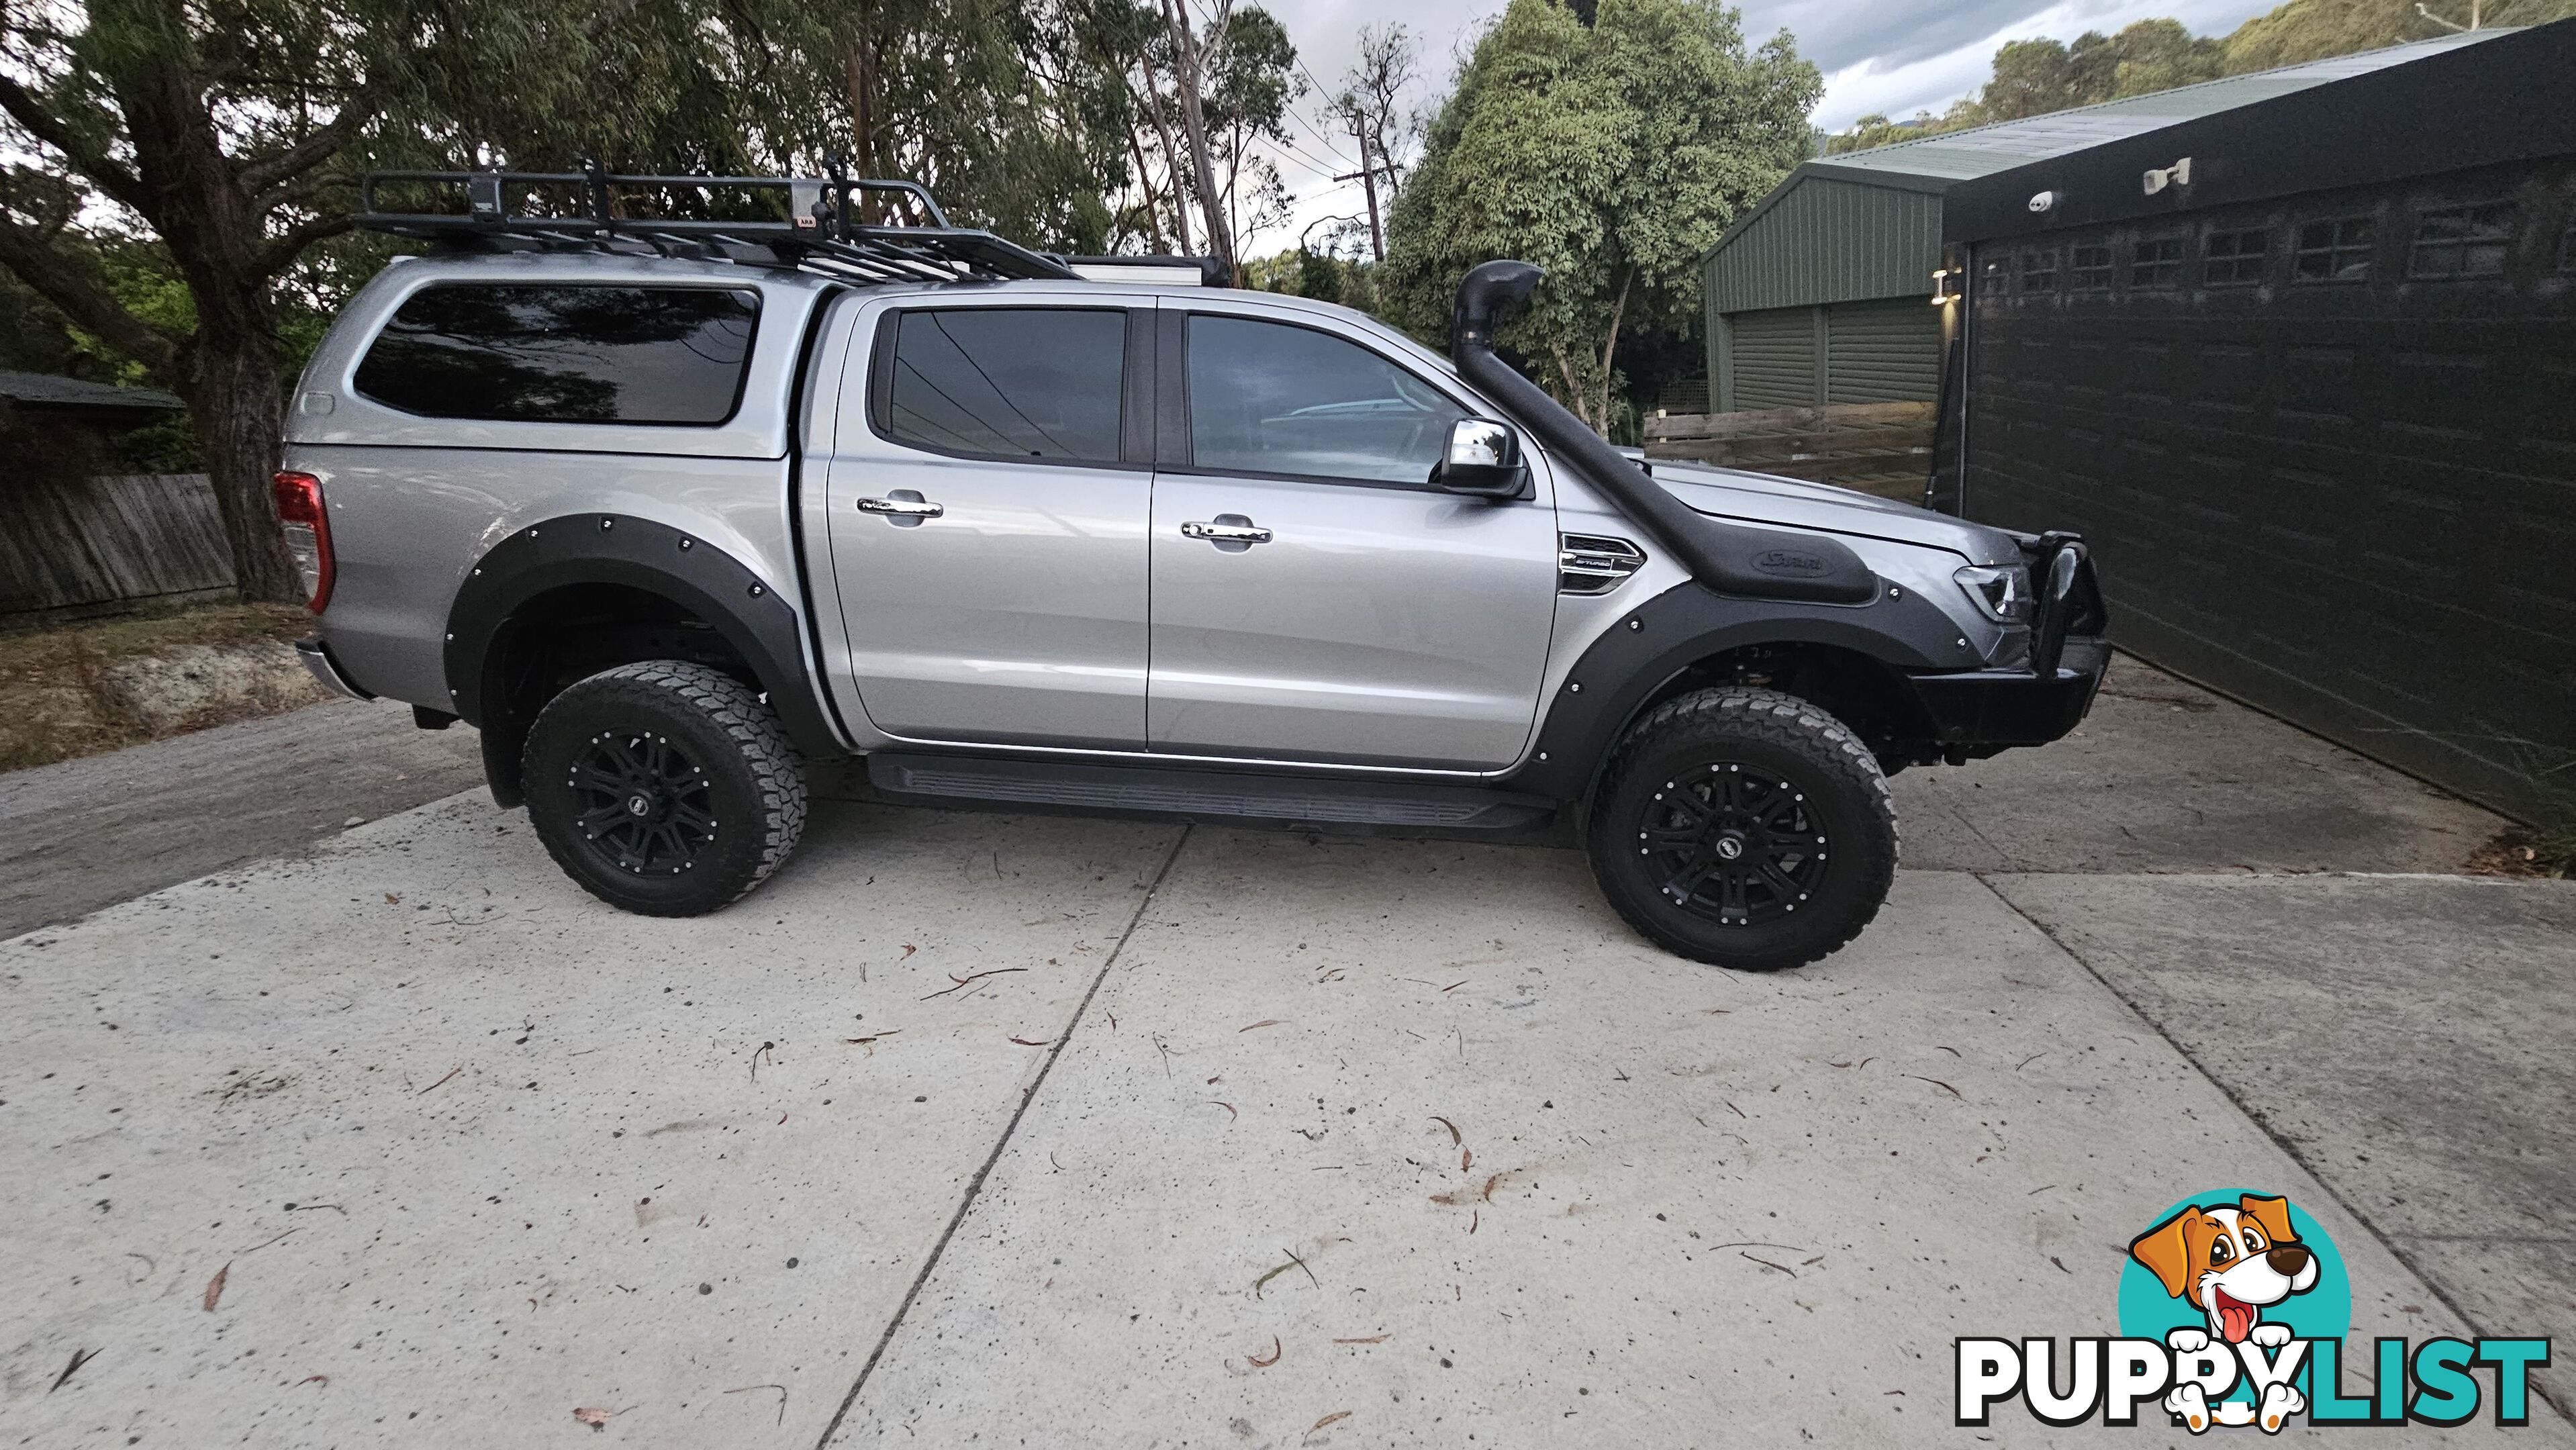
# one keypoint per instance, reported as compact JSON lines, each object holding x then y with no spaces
{"x":1171,"y":166}
{"x":863,"y":88}
{"x":235,"y":400}
{"x":1186,"y":75}
{"x":1610,"y":349}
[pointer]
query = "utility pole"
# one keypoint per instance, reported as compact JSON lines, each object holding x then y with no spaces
{"x":1367,"y":177}
{"x":1367,"y":106}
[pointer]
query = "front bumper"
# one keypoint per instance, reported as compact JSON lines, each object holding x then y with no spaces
{"x":317,"y":659}
{"x":1977,"y":712}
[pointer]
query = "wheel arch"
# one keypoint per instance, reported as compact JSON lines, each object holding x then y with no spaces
{"x":1849,"y":659}
{"x":596,"y":590}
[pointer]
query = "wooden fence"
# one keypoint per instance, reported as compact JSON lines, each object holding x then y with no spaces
{"x":69,"y":543}
{"x":1878,"y":448}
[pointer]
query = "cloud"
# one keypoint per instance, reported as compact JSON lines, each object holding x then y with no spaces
{"x":1894,"y":57}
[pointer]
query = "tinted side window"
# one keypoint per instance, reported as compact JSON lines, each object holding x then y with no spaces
{"x":565,"y":354}
{"x":1008,"y":382}
{"x":1266,"y":397}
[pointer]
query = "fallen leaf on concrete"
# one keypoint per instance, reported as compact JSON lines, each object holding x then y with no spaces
{"x":782,"y":1397}
{"x":215,"y":1287}
{"x":1257,"y":1362}
{"x":1024,"y":1042}
{"x":1460,"y":1197}
{"x":1231,"y":1114}
{"x":596,"y":1419}
{"x":1327,"y":1420}
{"x":972,"y":977}
{"x":1466,"y":1156}
{"x":1264,"y":1022}
{"x":1372,"y":1339}
{"x":1294,"y":1262}
{"x":393,"y":898}
{"x":1454,"y":1138}
{"x":1936,"y":1082}
{"x":79,"y":1357}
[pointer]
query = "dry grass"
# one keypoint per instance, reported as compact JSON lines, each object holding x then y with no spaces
{"x":2520,"y":852}
{"x":58,"y":694}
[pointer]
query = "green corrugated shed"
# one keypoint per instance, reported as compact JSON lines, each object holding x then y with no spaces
{"x":1846,"y":235}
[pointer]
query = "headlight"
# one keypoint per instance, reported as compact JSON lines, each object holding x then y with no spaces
{"x":2002,"y":591}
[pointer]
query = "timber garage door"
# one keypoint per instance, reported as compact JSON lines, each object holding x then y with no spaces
{"x":1888,"y":351}
{"x":1775,"y":358}
{"x":2325,"y":453}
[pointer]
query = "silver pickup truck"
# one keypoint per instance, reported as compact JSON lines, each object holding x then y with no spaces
{"x":668,"y":508}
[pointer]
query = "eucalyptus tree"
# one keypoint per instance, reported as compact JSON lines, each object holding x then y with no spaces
{"x":226,"y":133}
{"x":1611,"y":153}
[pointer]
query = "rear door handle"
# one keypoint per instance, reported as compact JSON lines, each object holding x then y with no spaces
{"x":902,"y":507}
{"x":1227,"y":529}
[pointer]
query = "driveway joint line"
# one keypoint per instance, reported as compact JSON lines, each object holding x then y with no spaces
{"x":975,"y":1185}
{"x":2385,"y":1241}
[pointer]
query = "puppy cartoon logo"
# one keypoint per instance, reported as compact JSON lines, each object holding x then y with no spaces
{"x":2231,"y":1262}
{"x":2234,"y":1310}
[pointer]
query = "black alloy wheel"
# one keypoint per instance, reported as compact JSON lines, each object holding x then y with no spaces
{"x":1743,"y":827}
{"x":663,"y":787}
{"x":647,"y":808}
{"x":1738,"y":847}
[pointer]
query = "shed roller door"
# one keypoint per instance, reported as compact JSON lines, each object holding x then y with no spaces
{"x":1775,"y":358}
{"x":1882,"y":352}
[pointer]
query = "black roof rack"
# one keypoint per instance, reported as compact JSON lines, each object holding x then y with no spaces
{"x":809,"y":223}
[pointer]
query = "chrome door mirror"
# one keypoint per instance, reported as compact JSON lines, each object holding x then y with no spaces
{"x":1484,"y":461}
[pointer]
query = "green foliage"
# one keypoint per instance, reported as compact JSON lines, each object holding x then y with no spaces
{"x":1306,"y":273}
{"x":2036,"y":77}
{"x":2304,"y":30}
{"x":1612,"y":154}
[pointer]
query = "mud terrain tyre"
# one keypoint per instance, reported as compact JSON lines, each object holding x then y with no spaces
{"x":1744,"y":828}
{"x":665,"y":788}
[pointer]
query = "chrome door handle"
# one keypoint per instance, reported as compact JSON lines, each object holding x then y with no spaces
{"x":1227,"y":530}
{"x":901,"y":507}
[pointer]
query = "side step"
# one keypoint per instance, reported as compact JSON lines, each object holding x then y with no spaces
{"x":1205,"y":794}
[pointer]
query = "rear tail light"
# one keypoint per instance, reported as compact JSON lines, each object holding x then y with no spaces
{"x":308,"y":534}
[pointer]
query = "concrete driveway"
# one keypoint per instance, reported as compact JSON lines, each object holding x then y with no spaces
{"x":994,"y":1129}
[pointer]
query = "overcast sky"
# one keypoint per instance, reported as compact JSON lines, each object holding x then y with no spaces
{"x":1890,"y":56}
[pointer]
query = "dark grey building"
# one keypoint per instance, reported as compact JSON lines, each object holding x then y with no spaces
{"x":2303,"y":372}
{"x":1823,"y":292}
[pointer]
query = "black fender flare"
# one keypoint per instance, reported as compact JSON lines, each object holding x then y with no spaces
{"x":1638,"y":655}
{"x":748,"y":611}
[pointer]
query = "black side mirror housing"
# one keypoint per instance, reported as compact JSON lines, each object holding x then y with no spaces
{"x":1483,"y":460}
